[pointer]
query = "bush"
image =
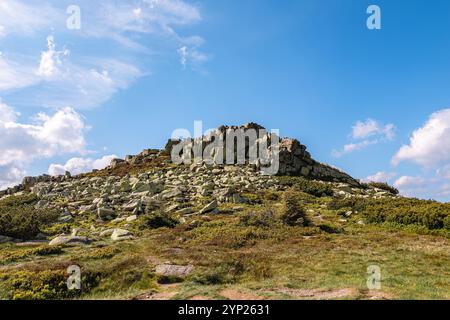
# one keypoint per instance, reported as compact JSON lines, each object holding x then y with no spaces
{"x":7,"y":257}
{"x":19,"y":219}
{"x":405,"y":211}
{"x":44,"y":285}
{"x":263,"y":218}
{"x":315,"y":188}
{"x":447,"y":222}
{"x":355,"y":204}
{"x":328,"y":228}
{"x":384,"y":186}
{"x":214,"y":277}
{"x":158,"y":220}
{"x":431,"y":214}
{"x":293,"y":212}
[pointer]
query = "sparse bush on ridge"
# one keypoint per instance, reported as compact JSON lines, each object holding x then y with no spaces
{"x":383,"y":186}
{"x":315,"y":188}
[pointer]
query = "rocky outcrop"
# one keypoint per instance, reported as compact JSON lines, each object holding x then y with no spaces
{"x":294,"y":159}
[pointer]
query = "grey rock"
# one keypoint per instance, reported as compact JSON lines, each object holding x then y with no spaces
{"x":173,"y":270}
{"x":106,"y":233}
{"x":106,"y":213}
{"x":131,"y":218}
{"x":121,"y":234}
{"x":69,"y":240}
{"x":185,"y":211}
{"x":209,"y":207}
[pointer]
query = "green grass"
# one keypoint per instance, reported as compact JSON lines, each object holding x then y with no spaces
{"x":253,"y":252}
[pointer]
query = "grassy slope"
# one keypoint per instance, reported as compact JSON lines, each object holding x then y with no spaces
{"x":251,"y":261}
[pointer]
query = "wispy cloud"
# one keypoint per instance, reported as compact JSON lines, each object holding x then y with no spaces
{"x":73,"y":68}
{"x":58,"y":78}
{"x":365,"y":134}
{"x":26,"y":18}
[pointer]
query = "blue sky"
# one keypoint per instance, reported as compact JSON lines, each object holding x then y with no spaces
{"x":371,"y":102}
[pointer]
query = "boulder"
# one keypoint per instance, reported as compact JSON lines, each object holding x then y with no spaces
{"x":169,"y":194}
{"x":184,"y":211}
{"x":173,"y":270}
{"x":209,"y":207}
{"x":106,"y":233}
{"x":131,"y":218}
{"x":121,"y":234}
{"x":69,"y":240}
{"x":106,"y":213}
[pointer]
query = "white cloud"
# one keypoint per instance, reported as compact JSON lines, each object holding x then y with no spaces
{"x":10,"y":175}
{"x":121,"y":20}
{"x":192,"y":56}
{"x":430,"y":144}
{"x":380,"y":177}
{"x":408,"y":182}
{"x":50,"y":59}
{"x":365,"y":134}
{"x":57,"y":82}
{"x":370,"y":127}
{"x":7,"y":114}
{"x":18,"y":17}
{"x":16,"y":75}
{"x":54,"y":81}
{"x":80,"y":165}
{"x":88,"y":86}
{"x":419,"y":187}
{"x":49,"y":135}
{"x":183,"y":55}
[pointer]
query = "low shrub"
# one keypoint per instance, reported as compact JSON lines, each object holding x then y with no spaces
{"x":431,"y":214}
{"x":293,"y":212}
{"x":328,"y":228}
{"x":20,"y":219}
{"x":405,"y":211}
{"x":158,"y":220}
{"x":45,"y":285}
{"x":262,"y":218}
{"x":315,"y":188}
{"x":353,"y":203}
{"x":383,"y":186}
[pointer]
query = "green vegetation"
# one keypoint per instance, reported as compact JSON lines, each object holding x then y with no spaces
{"x":293,"y":212}
{"x":279,"y":245}
{"x":404,"y":211}
{"x":43,"y":284}
{"x":20,"y":219}
{"x":383,"y":186}
{"x":158,"y":220}
{"x":315,"y":188}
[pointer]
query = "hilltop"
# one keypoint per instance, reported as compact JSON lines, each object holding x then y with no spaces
{"x":147,"y":228}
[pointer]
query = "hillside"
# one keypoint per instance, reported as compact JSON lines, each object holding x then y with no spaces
{"x":146,"y":228}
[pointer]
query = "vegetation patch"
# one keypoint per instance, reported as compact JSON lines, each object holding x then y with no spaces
{"x":315,"y":188}
{"x":44,"y":285}
{"x":293,"y":212}
{"x":158,"y":220}
{"x":20,"y":219}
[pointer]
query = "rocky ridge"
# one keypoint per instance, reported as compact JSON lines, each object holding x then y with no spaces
{"x":110,"y":204}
